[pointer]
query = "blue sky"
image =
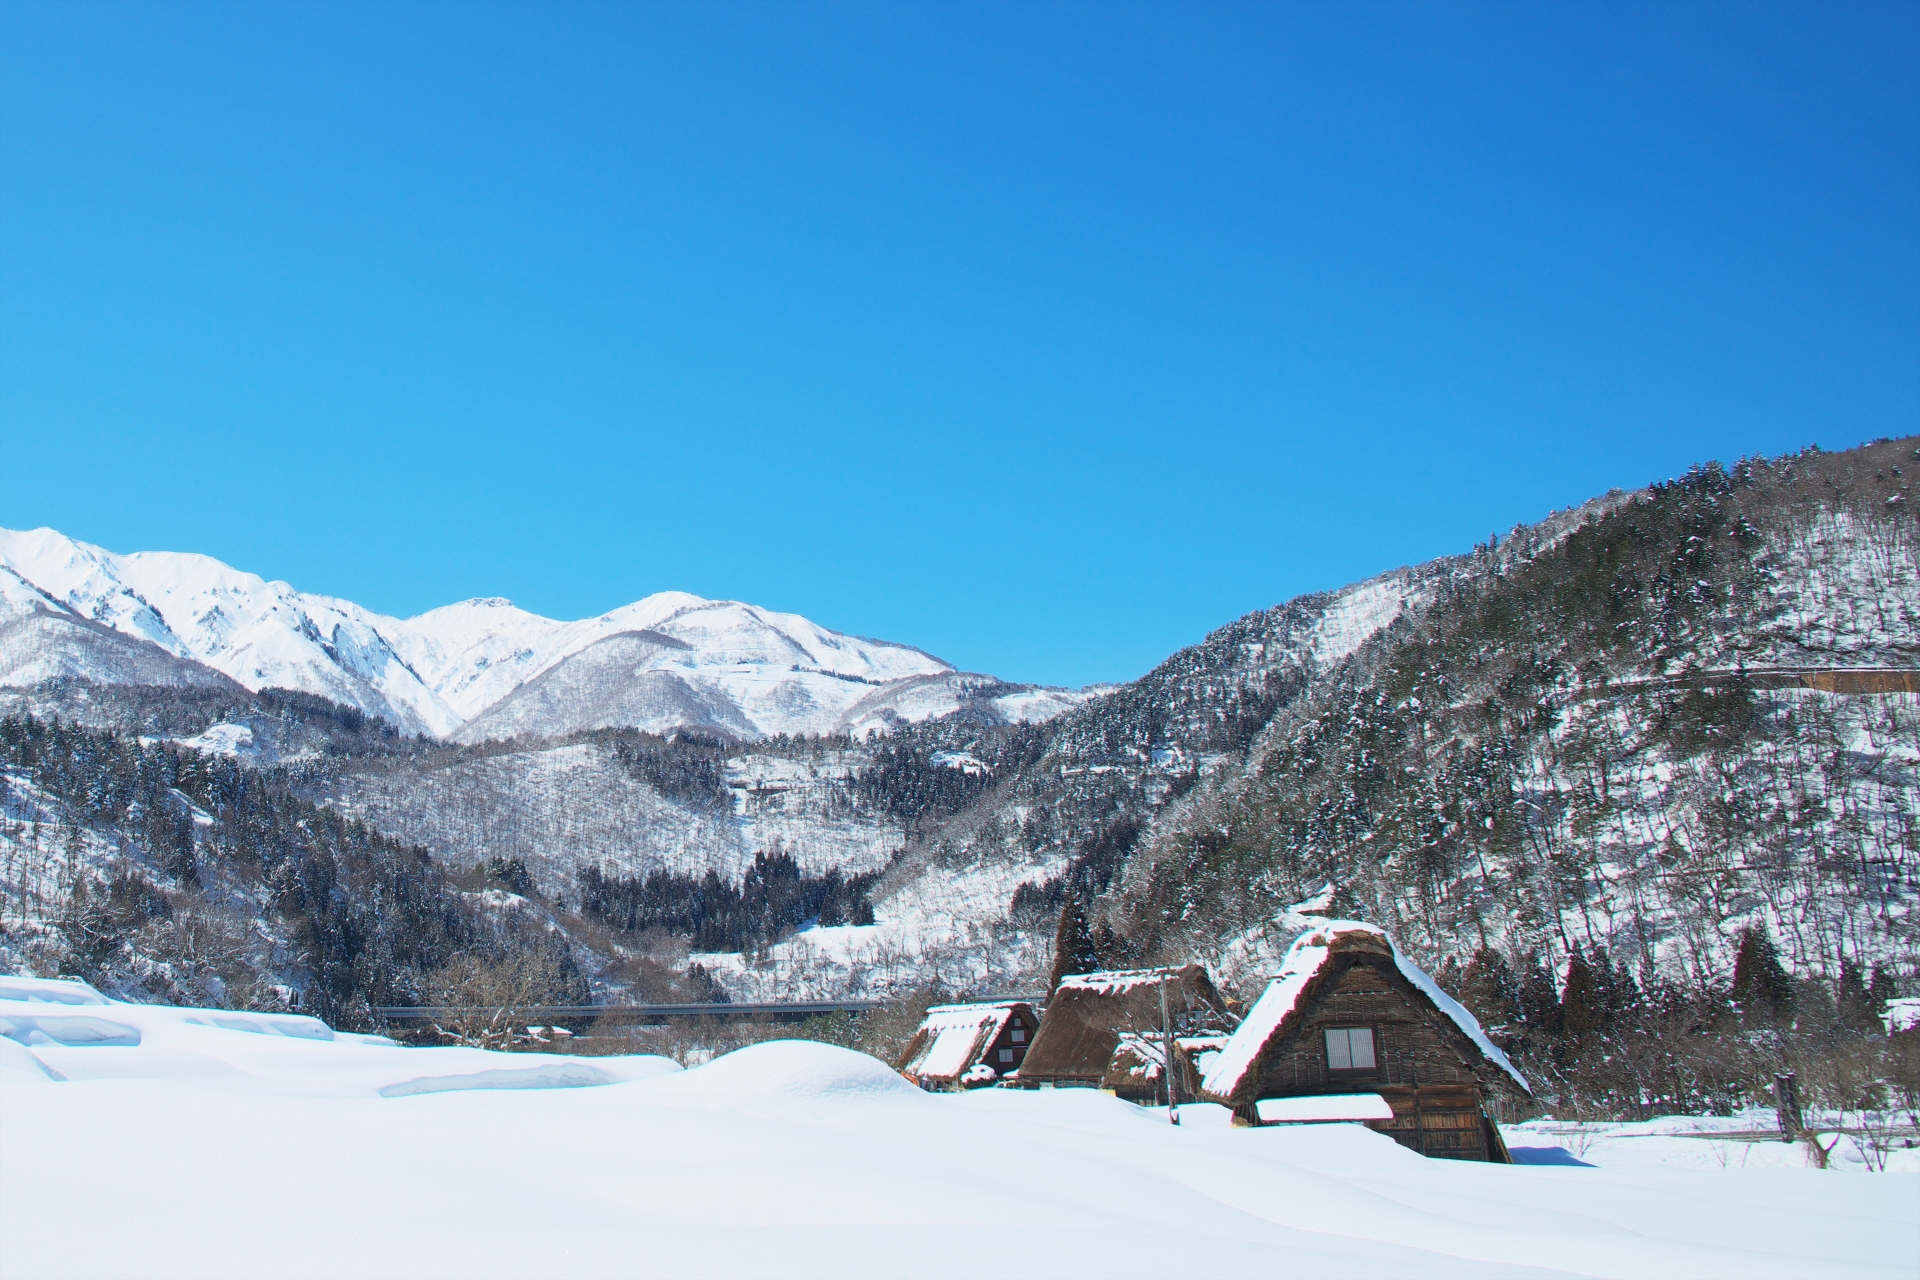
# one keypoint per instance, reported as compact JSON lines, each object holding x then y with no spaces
{"x":1046,"y":338}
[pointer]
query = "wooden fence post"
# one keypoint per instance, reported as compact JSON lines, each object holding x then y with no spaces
{"x":1786,"y":1104}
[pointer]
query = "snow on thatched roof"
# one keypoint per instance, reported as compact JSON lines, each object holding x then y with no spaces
{"x":953,"y":1036}
{"x":1141,"y":1055}
{"x":1112,"y":982}
{"x":1088,"y":1012}
{"x":1304,"y":960}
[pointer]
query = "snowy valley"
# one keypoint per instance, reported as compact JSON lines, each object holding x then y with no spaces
{"x":794,"y":1158}
{"x":1601,"y":740}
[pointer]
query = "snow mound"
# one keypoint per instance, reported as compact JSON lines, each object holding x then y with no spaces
{"x":794,"y":1071}
{"x":49,"y":991}
{"x":18,"y":1063}
{"x":562,"y":1075}
{"x":60,"y":1030}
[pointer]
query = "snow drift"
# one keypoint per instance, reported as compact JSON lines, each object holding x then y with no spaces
{"x":239,"y":1151}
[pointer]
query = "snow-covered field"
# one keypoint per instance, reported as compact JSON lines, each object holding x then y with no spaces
{"x":1743,"y":1141}
{"x":273,"y":1147}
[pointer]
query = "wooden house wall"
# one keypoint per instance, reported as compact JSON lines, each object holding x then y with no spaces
{"x":1407,"y":1047}
{"x":1028,"y":1023}
{"x":1436,"y":1094}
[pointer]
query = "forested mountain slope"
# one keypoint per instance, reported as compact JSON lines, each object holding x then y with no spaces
{"x":185,"y":876}
{"x":1595,"y":735}
{"x":1599,"y":743}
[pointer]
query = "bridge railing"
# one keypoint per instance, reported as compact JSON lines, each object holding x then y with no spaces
{"x":563,"y":1014}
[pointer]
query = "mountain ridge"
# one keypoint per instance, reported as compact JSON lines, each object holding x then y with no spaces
{"x":442,"y":671}
{"x":1493,"y":752}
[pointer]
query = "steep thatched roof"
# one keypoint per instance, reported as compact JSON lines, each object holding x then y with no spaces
{"x":1303,"y":974}
{"x":953,"y":1037}
{"x":1090,"y":1012}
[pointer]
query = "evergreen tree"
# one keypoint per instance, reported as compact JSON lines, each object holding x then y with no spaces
{"x":1881,"y":990}
{"x":1489,"y":990}
{"x":1073,"y":946}
{"x":1539,"y":1005}
{"x":1623,"y":993}
{"x":1581,"y":1010}
{"x":1855,"y":1007}
{"x":1761,"y":985}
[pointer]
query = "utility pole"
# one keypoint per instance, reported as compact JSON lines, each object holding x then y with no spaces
{"x":1166,"y":1055}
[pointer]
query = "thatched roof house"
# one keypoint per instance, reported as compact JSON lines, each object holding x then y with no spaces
{"x":1353,"y":1030}
{"x":962,"y":1045}
{"x":1102,"y":1031}
{"x":1138,"y":1070}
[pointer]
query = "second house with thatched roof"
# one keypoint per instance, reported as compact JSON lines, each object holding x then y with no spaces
{"x":1353,"y":1030}
{"x":1105,"y":1030}
{"x":962,"y":1046}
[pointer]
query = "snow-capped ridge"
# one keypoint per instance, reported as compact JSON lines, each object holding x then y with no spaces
{"x":470,"y":669}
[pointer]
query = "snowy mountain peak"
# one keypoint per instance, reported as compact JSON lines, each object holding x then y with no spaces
{"x":262,"y":634}
{"x":683,"y":659}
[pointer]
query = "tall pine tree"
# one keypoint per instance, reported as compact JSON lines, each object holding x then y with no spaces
{"x":1762,"y":987}
{"x":1490,"y":991}
{"x":1539,"y":1005}
{"x":1581,"y":1010}
{"x":1854,"y":1003}
{"x":1073,"y":946}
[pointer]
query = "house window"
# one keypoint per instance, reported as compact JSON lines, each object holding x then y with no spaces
{"x":1006,"y":1055}
{"x":1350,"y":1049}
{"x":1019,"y":1036}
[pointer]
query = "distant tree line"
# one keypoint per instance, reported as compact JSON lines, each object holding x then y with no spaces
{"x":904,"y":780}
{"x":774,"y":898}
{"x":1597,"y":1043}
{"x":689,"y":770}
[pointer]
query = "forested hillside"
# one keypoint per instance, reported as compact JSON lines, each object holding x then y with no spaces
{"x":182,"y":876}
{"x":1603,"y":740}
{"x":1622,"y":742}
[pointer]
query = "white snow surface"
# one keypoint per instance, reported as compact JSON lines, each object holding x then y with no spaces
{"x":1323,"y":1108}
{"x":1358,"y":611}
{"x":717,"y":664}
{"x":210,"y":1152}
{"x":1303,"y":960}
{"x":223,"y":740}
{"x":1902,"y":1014}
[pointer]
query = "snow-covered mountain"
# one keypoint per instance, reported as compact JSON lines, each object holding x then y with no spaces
{"x":479,"y":669}
{"x":261,"y":634}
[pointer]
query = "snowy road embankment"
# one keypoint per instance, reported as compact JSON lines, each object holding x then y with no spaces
{"x":210,"y":1151}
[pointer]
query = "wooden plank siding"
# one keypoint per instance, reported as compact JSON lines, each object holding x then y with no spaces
{"x":1425,"y":1067}
{"x":1409,"y":1049}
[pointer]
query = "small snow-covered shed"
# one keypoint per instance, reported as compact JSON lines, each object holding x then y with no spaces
{"x":1350,"y":1015}
{"x":960,"y":1045}
{"x":1102,"y":1031}
{"x":1138,"y":1070}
